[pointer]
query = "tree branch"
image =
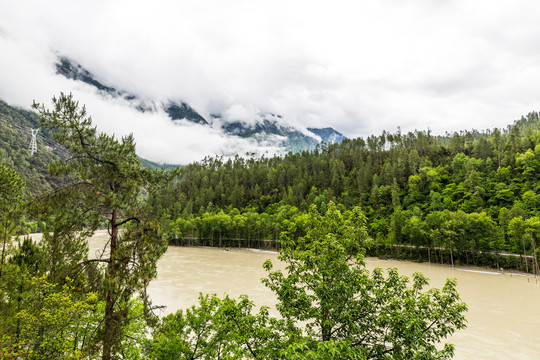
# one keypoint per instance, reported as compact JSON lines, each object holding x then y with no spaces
{"x":128,"y":220}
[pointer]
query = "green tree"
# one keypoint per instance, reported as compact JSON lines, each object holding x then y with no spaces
{"x":54,"y":322}
{"x":220,"y":329}
{"x":347,"y":309}
{"x":526,"y":232}
{"x":24,"y":263}
{"x":11,"y":193}
{"x":104,"y":181}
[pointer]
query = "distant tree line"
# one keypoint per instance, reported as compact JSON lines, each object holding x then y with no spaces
{"x":464,"y":194}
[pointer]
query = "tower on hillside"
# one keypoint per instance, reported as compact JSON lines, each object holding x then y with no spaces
{"x":33,"y":142}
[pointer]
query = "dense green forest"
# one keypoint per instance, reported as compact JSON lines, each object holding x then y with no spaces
{"x":466,"y":197}
{"x":58,"y":302}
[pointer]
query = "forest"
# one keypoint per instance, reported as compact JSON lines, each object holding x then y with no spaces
{"x":468,"y":197}
{"x":59,"y":301}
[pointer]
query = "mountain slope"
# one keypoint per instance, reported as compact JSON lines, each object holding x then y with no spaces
{"x":265,"y":130}
{"x":269,"y":129}
{"x":328,"y":135}
{"x":15,"y":138}
{"x":177,"y":110}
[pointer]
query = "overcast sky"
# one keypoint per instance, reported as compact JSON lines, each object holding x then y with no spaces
{"x":358,"y":66}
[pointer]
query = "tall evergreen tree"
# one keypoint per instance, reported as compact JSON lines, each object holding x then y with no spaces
{"x":104,"y":184}
{"x":11,"y":186}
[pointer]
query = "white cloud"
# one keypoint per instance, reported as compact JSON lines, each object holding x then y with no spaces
{"x":358,"y":66}
{"x":242,"y":113}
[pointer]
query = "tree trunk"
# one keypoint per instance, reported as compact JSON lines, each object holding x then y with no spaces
{"x":525,"y":256}
{"x":5,"y":238}
{"x":326,"y":329}
{"x":535,"y":259}
{"x":110,"y":335}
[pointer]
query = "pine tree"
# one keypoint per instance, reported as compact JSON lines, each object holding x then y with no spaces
{"x":105,"y":181}
{"x":11,"y":187}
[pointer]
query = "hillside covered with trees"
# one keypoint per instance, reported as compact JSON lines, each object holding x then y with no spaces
{"x":15,"y":138}
{"x":59,"y":301}
{"x":467,"y":197}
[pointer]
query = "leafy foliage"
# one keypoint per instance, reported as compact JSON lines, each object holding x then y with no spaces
{"x":54,"y":321}
{"x":11,"y":193}
{"x":405,"y":183}
{"x":220,"y":329}
{"x":105,"y":182}
{"x":327,"y":288}
{"x":331,"y":307}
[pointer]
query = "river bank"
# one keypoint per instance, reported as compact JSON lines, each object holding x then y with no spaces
{"x":503,"y":262}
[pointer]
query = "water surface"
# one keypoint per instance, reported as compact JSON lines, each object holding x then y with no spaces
{"x":504,"y":309}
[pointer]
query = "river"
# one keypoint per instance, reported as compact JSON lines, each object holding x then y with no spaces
{"x":503,"y":316}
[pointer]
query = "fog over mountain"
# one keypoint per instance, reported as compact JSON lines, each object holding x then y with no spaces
{"x":264,"y":131}
{"x":358,"y":67}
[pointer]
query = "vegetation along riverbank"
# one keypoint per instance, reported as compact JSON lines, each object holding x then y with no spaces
{"x":465,"y":198}
{"x":469,"y":197}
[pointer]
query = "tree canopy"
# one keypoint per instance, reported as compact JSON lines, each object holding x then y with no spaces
{"x":404,"y":182}
{"x":105,"y":181}
{"x":331,"y":307}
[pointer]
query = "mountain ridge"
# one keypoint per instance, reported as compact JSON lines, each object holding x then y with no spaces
{"x":265,"y":128}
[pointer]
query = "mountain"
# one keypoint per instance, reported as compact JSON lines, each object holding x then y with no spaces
{"x":177,"y":110}
{"x":266,"y":129}
{"x":15,"y":138}
{"x":270,"y":128}
{"x":328,"y":135}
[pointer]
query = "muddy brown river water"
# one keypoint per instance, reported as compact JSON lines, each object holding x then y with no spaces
{"x":504,"y":309}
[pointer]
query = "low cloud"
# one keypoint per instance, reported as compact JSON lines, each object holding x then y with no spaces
{"x":246,"y":114}
{"x":360,"y":67}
